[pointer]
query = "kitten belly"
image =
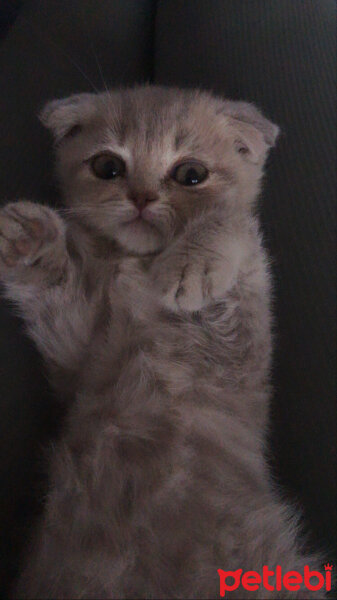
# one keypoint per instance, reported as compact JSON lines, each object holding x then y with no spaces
{"x":148,"y":469}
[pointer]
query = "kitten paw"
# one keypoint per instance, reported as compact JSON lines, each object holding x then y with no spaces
{"x":28,"y":232}
{"x":190,"y":291}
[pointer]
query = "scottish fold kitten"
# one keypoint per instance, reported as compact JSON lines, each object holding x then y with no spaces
{"x":149,"y":299}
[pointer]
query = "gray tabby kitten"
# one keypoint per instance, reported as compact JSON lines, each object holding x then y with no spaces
{"x":150,"y":304}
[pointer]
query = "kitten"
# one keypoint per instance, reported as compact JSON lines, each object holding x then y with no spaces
{"x":150,"y":302}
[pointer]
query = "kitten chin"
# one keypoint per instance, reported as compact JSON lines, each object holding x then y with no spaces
{"x":139,"y":237}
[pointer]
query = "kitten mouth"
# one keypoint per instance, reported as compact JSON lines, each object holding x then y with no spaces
{"x":139,"y":220}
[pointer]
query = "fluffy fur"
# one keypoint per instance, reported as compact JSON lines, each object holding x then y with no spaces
{"x":155,"y":328}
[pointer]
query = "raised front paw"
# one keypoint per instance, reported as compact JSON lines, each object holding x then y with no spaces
{"x":30,"y":234}
{"x":189,"y":290}
{"x":196,"y":284}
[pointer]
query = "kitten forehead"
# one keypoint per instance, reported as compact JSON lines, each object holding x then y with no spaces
{"x":142,"y":121}
{"x":179,"y":118}
{"x":149,"y":113}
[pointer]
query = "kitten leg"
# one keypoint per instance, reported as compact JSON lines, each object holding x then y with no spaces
{"x":40,"y":278}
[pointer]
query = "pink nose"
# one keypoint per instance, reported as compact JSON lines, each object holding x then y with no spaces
{"x":142,"y":199}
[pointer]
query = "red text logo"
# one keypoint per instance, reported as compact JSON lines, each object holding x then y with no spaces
{"x":274,"y":580}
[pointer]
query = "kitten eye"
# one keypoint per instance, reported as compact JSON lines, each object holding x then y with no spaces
{"x":107,"y":166}
{"x":190,"y":173}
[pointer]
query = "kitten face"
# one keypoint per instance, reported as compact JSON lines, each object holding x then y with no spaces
{"x":137,"y":164}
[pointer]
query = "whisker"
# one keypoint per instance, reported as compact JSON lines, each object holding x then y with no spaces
{"x":76,"y":65}
{"x":99,"y":66}
{"x":93,"y":51}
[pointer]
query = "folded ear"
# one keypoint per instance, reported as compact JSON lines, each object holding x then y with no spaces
{"x":256,"y":134}
{"x":65,"y":116}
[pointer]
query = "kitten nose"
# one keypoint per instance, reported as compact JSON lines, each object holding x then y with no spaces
{"x":142,"y":199}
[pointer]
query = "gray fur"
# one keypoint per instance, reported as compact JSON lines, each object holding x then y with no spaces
{"x":158,"y":334}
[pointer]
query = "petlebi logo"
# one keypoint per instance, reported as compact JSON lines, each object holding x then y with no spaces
{"x":275,"y":580}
